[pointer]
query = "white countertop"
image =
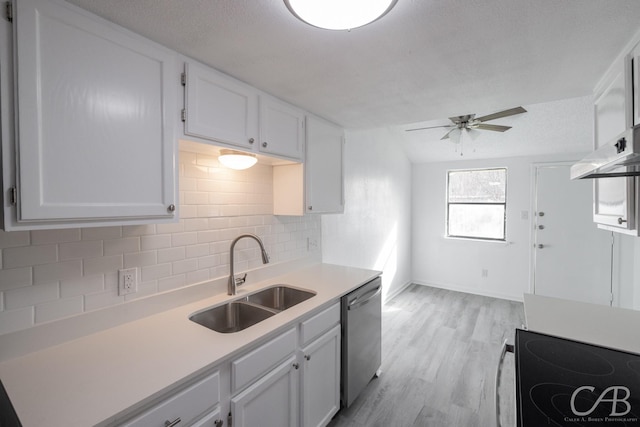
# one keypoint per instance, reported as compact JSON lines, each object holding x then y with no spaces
{"x":596,"y":324}
{"x":89,"y":380}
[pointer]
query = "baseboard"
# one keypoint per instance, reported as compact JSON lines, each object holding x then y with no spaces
{"x":473,"y":291}
{"x":398,"y":291}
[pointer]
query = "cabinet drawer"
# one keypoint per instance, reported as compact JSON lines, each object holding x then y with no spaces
{"x":316,"y":325}
{"x":186,"y":405}
{"x":250,"y":367}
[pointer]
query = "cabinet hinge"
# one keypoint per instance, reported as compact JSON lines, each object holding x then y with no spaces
{"x":183,"y":114}
{"x":13,"y":196}
{"x":183,"y":79}
{"x":230,"y":420}
{"x":8,"y":11}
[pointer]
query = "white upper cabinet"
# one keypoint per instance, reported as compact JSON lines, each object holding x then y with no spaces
{"x":614,"y":198}
{"x":323,"y":167}
{"x":94,"y":140}
{"x":219,"y":108}
{"x":281,"y":129}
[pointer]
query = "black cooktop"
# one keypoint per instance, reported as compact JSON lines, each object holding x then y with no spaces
{"x":560,"y":382}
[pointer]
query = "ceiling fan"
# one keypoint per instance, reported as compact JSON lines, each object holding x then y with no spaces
{"x":469,"y":121}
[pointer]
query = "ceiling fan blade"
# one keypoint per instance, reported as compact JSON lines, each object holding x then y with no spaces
{"x":446,"y":135}
{"x":496,"y":128}
{"x":500,"y":114}
{"x":430,"y":127}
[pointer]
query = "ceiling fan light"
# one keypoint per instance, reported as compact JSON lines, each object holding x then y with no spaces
{"x":339,"y":14}
{"x":236,"y":159}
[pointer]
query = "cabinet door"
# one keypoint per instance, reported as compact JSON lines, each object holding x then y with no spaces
{"x":323,"y":167}
{"x":270,"y":401}
{"x":614,"y":201}
{"x":281,"y":129}
{"x":321,"y":379}
{"x":94,"y":140}
{"x":219,"y":108}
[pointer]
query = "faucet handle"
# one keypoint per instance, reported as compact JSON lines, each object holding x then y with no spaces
{"x":241,"y":280}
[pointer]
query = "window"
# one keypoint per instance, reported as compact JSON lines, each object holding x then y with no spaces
{"x":477,"y":203}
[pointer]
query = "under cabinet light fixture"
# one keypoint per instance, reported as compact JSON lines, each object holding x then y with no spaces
{"x":237,"y":159}
{"x":339,"y":14}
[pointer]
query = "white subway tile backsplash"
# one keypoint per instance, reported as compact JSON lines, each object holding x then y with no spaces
{"x":172,"y":254}
{"x":172,"y":282}
{"x":40,"y":237}
{"x":81,"y":286}
{"x":102,"y":264}
{"x":57,"y":309}
{"x":29,"y":255}
{"x":154,"y":272}
{"x":15,"y":278}
{"x":140,"y":259}
{"x":102,"y":299}
{"x":121,"y":246}
{"x":47,"y":273}
{"x":101,"y":233}
{"x":184,"y":239}
{"x":13,"y":239}
{"x":79,"y":250}
{"x":159,"y":241}
{"x":15,"y":320}
{"x":50,"y":274}
{"x":30,"y":295}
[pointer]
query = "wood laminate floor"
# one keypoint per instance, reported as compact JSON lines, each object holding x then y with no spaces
{"x":440,"y":350}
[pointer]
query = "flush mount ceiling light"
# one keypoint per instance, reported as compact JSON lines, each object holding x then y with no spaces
{"x":236,"y":159}
{"x":339,"y":14}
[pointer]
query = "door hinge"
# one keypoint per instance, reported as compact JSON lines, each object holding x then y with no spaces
{"x":183,"y":79}
{"x":13,"y":196}
{"x":183,"y":114}
{"x":8,"y":11}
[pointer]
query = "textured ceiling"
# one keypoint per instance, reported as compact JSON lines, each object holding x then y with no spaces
{"x":425,"y":60}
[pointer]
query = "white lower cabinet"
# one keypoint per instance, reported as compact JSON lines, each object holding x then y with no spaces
{"x":321,"y":379}
{"x":184,"y":407}
{"x":270,"y":401}
{"x":291,"y":380}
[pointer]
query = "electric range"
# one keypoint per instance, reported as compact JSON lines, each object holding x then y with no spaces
{"x":561,"y":382}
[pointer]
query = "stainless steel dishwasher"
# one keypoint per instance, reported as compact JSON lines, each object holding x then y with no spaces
{"x":361,"y":339}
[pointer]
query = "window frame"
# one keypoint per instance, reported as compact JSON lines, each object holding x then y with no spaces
{"x":448,"y":204}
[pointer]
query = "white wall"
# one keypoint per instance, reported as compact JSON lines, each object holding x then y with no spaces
{"x":375,"y":230}
{"x":456,"y":263}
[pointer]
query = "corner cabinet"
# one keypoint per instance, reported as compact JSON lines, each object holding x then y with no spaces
{"x":89,"y":139}
{"x":324,"y":182}
{"x":615,"y":199}
{"x":317,"y":186}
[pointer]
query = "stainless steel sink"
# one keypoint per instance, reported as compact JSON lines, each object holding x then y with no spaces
{"x":231,"y":317}
{"x":241,"y":313}
{"x":279,"y":297}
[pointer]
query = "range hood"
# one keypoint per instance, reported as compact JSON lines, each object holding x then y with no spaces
{"x":619,"y":157}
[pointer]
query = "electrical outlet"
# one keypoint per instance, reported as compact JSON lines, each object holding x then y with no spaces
{"x":485,"y":272}
{"x":127,"y":281}
{"x":312,"y":244}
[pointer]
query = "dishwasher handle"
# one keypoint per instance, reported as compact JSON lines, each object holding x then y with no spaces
{"x":358,"y":301}
{"x":505,"y":348}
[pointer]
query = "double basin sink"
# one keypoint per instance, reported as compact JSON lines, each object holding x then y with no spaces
{"x":241,"y":313}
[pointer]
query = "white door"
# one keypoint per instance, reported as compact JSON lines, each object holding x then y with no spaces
{"x":281,"y":128}
{"x":572,"y":257}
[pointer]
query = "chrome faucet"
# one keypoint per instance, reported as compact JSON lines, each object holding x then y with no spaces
{"x":234,"y":282}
